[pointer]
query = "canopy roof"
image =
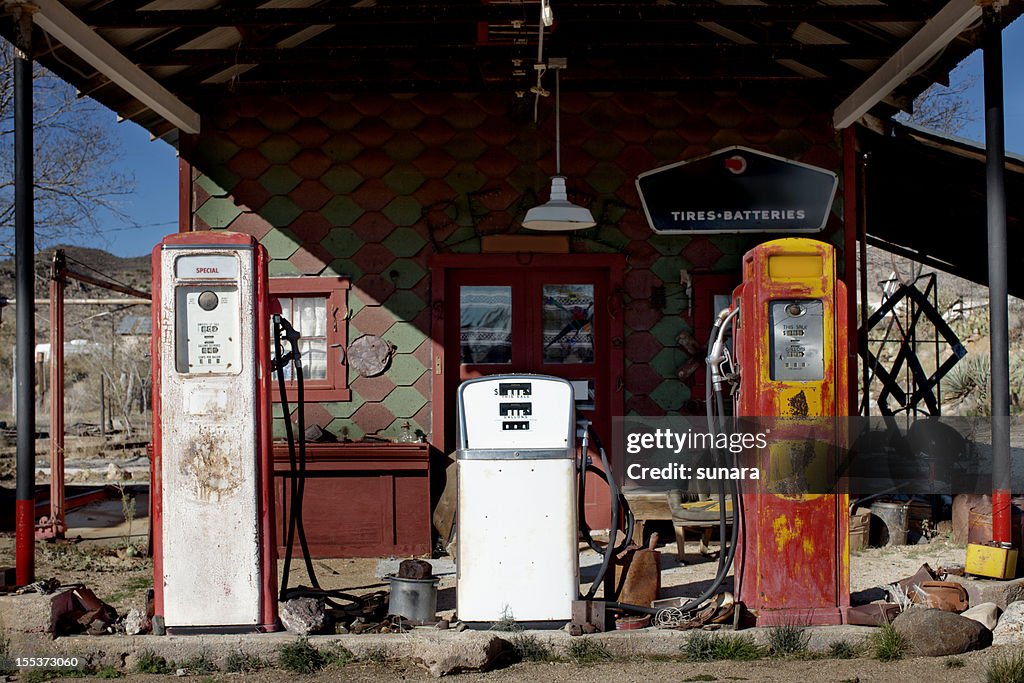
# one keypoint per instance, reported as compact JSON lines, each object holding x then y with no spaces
{"x":850,"y":53}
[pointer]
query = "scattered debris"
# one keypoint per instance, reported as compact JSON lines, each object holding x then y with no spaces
{"x":716,"y":610}
{"x":986,"y":614}
{"x":945,"y":595}
{"x":304,"y":616}
{"x":874,"y":614}
{"x":135,"y":622}
{"x":415,"y":569}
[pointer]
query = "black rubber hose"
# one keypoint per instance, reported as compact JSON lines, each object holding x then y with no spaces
{"x":290,"y":512}
{"x":610,"y":549}
{"x":630,"y":519}
{"x":729,"y":556}
{"x":296,"y":525}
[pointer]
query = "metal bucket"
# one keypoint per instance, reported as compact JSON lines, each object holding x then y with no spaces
{"x":414,"y":599}
{"x":894,"y":517}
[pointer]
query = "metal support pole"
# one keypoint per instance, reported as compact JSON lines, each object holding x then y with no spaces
{"x":57,"y":284}
{"x":997,"y":276}
{"x":24,"y":258}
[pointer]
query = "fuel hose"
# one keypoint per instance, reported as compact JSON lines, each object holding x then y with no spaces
{"x":297,"y":480}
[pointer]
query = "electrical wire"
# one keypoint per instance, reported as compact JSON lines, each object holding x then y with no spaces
{"x":98,"y":272}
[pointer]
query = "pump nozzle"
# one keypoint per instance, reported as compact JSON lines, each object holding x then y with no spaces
{"x":719,"y":353}
{"x":283,"y":330}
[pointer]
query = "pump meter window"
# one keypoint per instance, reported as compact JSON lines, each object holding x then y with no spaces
{"x":798,"y":334}
{"x":207,"y":328}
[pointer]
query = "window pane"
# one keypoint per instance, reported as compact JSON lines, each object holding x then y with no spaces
{"x":568,"y":322}
{"x":485,"y":324}
{"x":314,"y":358}
{"x":310,"y":316}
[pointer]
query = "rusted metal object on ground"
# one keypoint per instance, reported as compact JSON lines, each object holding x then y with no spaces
{"x":639,"y":574}
{"x":948,"y":596}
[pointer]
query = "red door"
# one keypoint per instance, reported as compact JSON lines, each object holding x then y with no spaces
{"x":543,"y":320}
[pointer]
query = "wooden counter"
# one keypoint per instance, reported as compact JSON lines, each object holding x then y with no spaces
{"x":361,"y":499}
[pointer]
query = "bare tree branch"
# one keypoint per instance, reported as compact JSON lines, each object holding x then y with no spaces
{"x":75,"y":179}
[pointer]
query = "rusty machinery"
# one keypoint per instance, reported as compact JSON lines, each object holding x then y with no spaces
{"x":789,"y":365}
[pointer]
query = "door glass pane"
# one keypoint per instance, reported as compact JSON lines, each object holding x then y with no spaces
{"x":568,"y":323}
{"x":485,"y":324}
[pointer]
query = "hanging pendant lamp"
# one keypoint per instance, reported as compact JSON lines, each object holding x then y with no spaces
{"x":558,"y":214}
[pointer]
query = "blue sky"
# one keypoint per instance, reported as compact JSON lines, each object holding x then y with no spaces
{"x":154,"y":206}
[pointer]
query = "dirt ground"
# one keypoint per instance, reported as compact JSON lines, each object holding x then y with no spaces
{"x":964,"y":669}
{"x":99,"y":561}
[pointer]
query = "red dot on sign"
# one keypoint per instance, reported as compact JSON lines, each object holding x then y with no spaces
{"x":736,"y":164}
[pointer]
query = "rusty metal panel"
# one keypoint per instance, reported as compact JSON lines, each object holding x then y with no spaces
{"x":210,"y":526}
{"x":793,"y":561}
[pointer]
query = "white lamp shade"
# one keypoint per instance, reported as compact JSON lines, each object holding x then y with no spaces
{"x":558,"y":214}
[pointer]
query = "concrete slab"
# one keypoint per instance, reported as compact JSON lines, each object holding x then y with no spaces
{"x":981,"y":590}
{"x":421,"y":644}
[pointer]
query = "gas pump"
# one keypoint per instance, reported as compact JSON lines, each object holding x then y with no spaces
{"x":789,"y":332}
{"x":214,"y":564}
{"x":517,"y":551}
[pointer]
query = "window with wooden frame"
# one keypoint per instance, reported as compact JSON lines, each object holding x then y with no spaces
{"x":317,"y":308}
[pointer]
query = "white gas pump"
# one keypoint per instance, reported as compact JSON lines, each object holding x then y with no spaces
{"x":517,"y":550}
{"x":212,"y":499}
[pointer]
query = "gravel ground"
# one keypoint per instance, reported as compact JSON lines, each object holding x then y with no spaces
{"x":964,"y":669}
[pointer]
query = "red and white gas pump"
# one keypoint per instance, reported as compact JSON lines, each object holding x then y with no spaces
{"x":212,"y":493}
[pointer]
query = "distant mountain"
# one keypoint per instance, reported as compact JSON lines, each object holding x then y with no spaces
{"x":134,"y":272}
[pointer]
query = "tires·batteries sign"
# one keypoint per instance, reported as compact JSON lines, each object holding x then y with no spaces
{"x":737,"y":189}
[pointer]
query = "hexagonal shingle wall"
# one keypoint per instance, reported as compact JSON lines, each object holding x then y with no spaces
{"x":369,"y":186}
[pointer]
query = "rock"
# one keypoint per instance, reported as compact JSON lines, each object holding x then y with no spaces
{"x":472,"y":652}
{"x":415,"y":569}
{"x":135,"y":622}
{"x":303,"y":616}
{"x":986,"y":614}
{"x":1010,"y":630}
{"x":37,"y":613}
{"x":934,"y":633}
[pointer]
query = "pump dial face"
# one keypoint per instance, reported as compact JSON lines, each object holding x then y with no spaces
{"x":208,"y":300}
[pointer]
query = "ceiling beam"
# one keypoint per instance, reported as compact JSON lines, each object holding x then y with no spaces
{"x":431,"y":14}
{"x":322,"y":53}
{"x":58,"y":21}
{"x":933,"y":37}
{"x":611,"y":83}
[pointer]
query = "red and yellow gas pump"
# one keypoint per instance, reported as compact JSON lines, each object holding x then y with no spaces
{"x":212,"y":495}
{"x":790,"y":340}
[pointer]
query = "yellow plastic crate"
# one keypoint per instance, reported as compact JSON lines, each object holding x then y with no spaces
{"x":991,"y":561}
